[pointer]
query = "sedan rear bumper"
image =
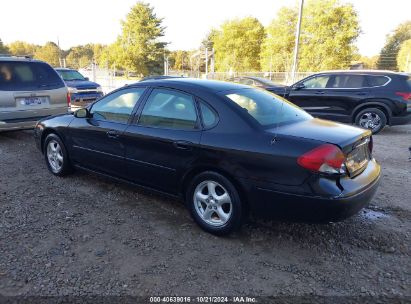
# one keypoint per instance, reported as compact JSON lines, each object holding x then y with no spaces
{"x":275,"y":204}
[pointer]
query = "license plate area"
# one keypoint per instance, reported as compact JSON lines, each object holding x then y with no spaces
{"x":32,"y":101}
{"x":358,"y":158}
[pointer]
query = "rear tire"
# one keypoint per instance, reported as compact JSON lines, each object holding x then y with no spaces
{"x":372,"y":119}
{"x":56,"y":156}
{"x":214,"y":203}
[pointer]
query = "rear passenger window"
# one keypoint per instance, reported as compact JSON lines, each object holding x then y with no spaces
{"x":348,"y":82}
{"x":209,"y":117}
{"x":28,"y":76}
{"x":376,"y":81}
{"x":169,"y":109}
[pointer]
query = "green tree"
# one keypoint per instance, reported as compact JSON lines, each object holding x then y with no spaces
{"x":388,"y":54}
{"x":328,"y":34}
{"x":237,"y":45}
{"x":277,"y":47}
{"x":20,"y":48}
{"x":138,"y":47}
{"x":50,"y":53}
{"x":404,"y":56}
{"x":180,"y":60}
{"x":3,"y":48}
{"x":98,"y":50}
{"x":208,"y":41}
{"x":369,"y":62}
{"x":110,"y":56}
{"x":80,"y":56}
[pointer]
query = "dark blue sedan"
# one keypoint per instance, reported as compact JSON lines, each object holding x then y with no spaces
{"x":225,"y":149}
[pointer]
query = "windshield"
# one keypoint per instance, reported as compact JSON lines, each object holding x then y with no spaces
{"x":68,"y":75}
{"x":268,"y":109}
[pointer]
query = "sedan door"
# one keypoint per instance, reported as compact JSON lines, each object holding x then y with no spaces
{"x":97,"y":142}
{"x":163,"y":143}
{"x":344,"y":92}
{"x":310,"y":94}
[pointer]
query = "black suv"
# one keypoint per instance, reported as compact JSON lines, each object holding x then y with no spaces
{"x":370,"y":99}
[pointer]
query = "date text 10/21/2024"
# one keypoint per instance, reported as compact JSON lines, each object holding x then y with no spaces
{"x":204,"y":299}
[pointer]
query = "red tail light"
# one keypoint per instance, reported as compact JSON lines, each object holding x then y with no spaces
{"x":326,"y":158}
{"x":405,"y":95}
{"x":68,"y":100}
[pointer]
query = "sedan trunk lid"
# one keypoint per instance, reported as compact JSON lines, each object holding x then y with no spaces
{"x":342,"y":135}
{"x":353,"y":141}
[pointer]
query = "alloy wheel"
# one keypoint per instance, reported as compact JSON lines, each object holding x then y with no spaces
{"x":212,"y":203}
{"x":370,"y":120}
{"x":55,"y":156}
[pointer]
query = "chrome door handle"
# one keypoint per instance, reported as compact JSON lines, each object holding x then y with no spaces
{"x":112,"y":134}
{"x":183,"y":145}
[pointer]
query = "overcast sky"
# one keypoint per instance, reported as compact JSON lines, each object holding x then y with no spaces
{"x":77,"y":22}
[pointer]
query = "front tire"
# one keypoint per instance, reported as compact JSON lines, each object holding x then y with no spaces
{"x":56,"y":156}
{"x":371,"y":118}
{"x":214,"y":203}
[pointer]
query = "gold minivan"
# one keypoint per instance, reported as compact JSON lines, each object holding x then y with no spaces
{"x":29,"y":90}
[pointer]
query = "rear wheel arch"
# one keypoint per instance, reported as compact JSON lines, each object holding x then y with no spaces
{"x":188,"y":177}
{"x":379,"y":104}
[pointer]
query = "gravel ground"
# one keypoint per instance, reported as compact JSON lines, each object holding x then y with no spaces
{"x":87,"y":235}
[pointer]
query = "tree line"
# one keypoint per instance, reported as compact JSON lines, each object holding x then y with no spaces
{"x":328,"y":41}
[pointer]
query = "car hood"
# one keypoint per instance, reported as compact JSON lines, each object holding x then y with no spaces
{"x":81,"y":84}
{"x":323,"y":130}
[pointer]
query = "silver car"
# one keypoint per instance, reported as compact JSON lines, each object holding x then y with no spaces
{"x":29,"y":90}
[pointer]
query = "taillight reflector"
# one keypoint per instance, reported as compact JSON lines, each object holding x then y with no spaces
{"x":68,"y":100}
{"x":405,"y":95}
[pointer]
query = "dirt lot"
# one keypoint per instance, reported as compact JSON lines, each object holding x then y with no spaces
{"x":87,"y":235}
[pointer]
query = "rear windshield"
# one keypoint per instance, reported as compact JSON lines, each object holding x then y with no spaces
{"x":28,"y":76}
{"x":70,"y":75}
{"x":267,"y":108}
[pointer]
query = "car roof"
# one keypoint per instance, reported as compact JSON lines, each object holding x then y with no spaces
{"x":193,"y":83}
{"x":156,"y":77}
{"x":64,"y":69}
{"x":18,"y":58}
{"x":376,"y":72}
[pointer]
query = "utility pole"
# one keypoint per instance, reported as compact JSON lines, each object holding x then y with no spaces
{"x":58,"y":45}
{"x":297,"y":42}
{"x":212,"y":63}
{"x":206,"y":62}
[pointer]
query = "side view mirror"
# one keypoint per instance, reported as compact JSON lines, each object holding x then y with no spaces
{"x":82,"y":113}
{"x":86,"y":78}
{"x":299,"y":86}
